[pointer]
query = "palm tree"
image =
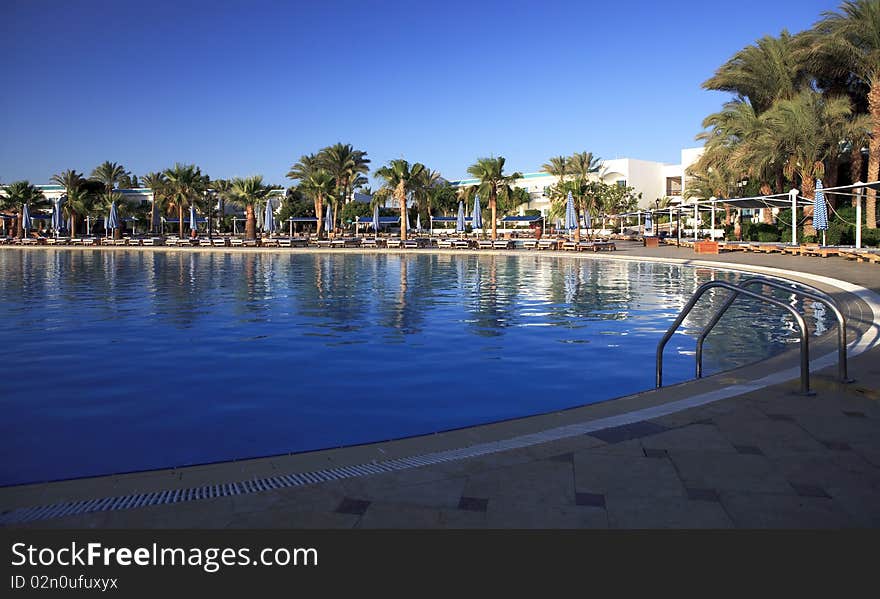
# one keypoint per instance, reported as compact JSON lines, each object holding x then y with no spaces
{"x":71,"y":181}
{"x":807,"y":130}
{"x":490,"y":172}
{"x":848,"y":43}
{"x":185,"y":184}
{"x":581,"y":165}
{"x":347,"y":166}
{"x":80,"y":201}
{"x":158,"y":183}
{"x":319,"y":185}
{"x":401,"y":178}
{"x":307,"y":164}
{"x":18,"y":194}
{"x":249,"y":192}
{"x":223,"y":190}
{"x":768,"y":71}
{"x":110,"y":174}
{"x":557,"y":167}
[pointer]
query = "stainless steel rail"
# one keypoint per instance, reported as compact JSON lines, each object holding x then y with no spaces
{"x":809,"y":292}
{"x":805,"y":344}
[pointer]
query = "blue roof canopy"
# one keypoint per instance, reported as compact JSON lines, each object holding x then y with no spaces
{"x":448,"y":219}
{"x":302,"y":219}
{"x":521,"y":219}
{"x":386,"y":220}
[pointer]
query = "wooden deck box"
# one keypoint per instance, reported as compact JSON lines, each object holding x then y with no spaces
{"x":706,"y":247}
{"x":652,"y":242}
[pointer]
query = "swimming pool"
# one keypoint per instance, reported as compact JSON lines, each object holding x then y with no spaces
{"x":117,"y":361}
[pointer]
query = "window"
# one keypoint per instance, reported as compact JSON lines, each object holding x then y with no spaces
{"x":673,"y":186}
{"x":621,"y":183}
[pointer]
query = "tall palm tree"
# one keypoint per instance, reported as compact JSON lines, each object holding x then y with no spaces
{"x":809,"y":129}
{"x":401,"y":177}
{"x":71,"y":181}
{"x":319,"y":185}
{"x":18,"y":194}
{"x":249,"y":192}
{"x":580,"y":166}
{"x":110,"y":174}
{"x":223,"y":191}
{"x":308,"y":163}
{"x":557,"y":166}
{"x":157,"y":182}
{"x":80,"y":202}
{"x":848,"y":42}
{"x":185,"y":184}
{"x":768,"y":71}
{"x":345,"y":164}
{"x":490,"y":172}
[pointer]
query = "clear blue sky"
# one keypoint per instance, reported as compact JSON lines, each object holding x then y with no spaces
{"x":246,"y":87}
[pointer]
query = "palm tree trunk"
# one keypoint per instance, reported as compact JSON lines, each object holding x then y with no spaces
{"x":873,"y":149}
{"x":808,"y":188}
{"x":855,"y":167}
{"x":222,"y":214}
{"x":180,"y":220}
{"x":493,"y":207}
{"x":250,"y":226}
{"x":319,"y":213}
{"x":153,"y":214}
{"x":400,"y":192}
{"x":19,"y":229}
{"x":72,"y":223}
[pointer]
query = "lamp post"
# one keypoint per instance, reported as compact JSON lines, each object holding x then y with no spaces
{"x":793,"y":194}
{"x":657,"y":217}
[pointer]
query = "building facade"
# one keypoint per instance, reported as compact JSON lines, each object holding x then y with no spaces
{"x":652,"y":179}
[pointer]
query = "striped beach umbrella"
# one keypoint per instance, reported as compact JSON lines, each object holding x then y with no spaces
{"x":25,"y":219}
{"x":269,"y":218}
{"x":570,"y":217}
{"x":376,"y":219}
{"x":478,"y":214}
{"x":57,"y":220}
{"x":459,"y":219}
{"x":820,"y":210}
{"x":112,"y":222}
{"x":192,"y":218}
{"x":328,"y":218}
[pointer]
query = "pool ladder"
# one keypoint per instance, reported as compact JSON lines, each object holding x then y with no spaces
{"x":742,"y":290}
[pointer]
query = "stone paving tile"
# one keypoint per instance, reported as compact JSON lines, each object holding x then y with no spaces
{"x":763,"y":510}
{"x":473,"y":504}
{"x":561,"y":446}
{"x":633,"y":448}
{"x":636,"y":430}
{"x":512,"y":516}
{"x":462,"y":519}
{"x":839,"y":428}
{"x":621,"y":475}
{"x":398,"y":516}
{"x":831,"y":469}
{"x":862,"y":505}
{"x":665,"y":512}
{"x":540,"y":483}
{"x":695,"y":437}
{"x":440,"y":493}
{"x":771,"y":437}
{"x":729,"y":471}
{"x":293,"y":519}
{"x":350,"y":505}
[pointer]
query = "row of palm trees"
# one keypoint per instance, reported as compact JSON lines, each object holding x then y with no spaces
{"x":805,"y":105}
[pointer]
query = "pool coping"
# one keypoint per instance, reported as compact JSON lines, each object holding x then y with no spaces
{"x":40,"y":501}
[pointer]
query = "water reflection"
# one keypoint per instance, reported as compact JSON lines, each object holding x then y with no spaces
{"x":167,"y":345}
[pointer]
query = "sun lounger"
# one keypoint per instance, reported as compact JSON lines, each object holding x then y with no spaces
{"x":530,"y":244}
{"x":547,"y":244}
{"x":153,"y":241}
{"x":570,"y":246}
{"x":392,"y":243}
{"x":219,"y":242}
{"x":820,"y":251}
{"x":269,"y":242}
{"x":445,"y":243}
{"x":323,"y":243}
{"x":205,"y":242}
{"x":411,"y":244}
{"x":236,"y":242}
{"x":502,"y":244}
{"x":484,"y":244}
{"x":461,"y":244}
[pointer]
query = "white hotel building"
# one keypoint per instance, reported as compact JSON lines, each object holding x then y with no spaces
{"x":652,"y":179}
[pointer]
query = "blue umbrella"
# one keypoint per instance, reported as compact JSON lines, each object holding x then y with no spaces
{"x":477,"y":222}
{"x":459,"y":220}
{"x":328,"y":218}
{"x":820,"y":211}
{"x":570,"y":218}
{"x":269,"y":218}
{"x":57,"y":221}
{"x":376,"y":219}
{"x":649,"y":226}
{"x":113,"y":219}
{"x":25,"y":219}
{"x":192,"y":218}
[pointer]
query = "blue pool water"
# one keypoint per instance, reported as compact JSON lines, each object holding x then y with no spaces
{"x":121,"y":361}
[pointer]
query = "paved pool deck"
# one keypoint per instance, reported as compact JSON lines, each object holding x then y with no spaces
{"x":683,"y":456}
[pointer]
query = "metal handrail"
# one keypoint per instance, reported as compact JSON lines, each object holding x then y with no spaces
{"x":810,"y":292}
{"x":805,"y":344}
